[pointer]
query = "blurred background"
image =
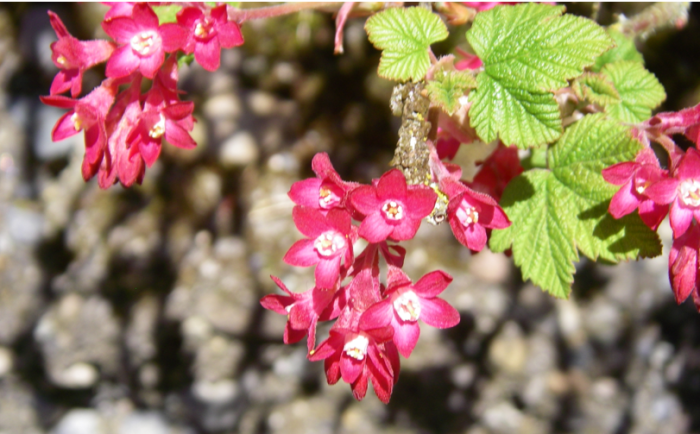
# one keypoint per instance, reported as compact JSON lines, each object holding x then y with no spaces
{"x":137,"y":310}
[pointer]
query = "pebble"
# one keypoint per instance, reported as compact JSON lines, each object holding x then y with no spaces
{"x":239,"y":150}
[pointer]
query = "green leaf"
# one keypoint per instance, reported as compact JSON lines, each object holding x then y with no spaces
{"x":624,"y":50}
{"x":532,"y":47}
{"x":542,"y":245}
{"x":447,"y":87}
{"x":596,"y":88}
{"x":167,"y":14}
{"x":524,"y":118}
{"x":528,"y":51}
{"x":556,"y":211}
{"x":184,"y":59}
{"x":639,"y":90}
{"x":404,"y":36}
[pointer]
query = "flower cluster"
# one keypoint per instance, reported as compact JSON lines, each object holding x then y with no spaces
{"x":123,"y":127}
{"x":656,"y":192}
{"x":374,"y":323}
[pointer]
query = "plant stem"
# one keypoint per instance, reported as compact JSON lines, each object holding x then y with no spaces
{"x":242,"y":15}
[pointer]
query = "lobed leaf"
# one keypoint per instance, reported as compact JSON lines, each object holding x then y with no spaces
{"x":447,"y":87}
{"x":558,"y":210}
{"x":528,"y":51}
{"x":639,"y":91}
{"x":404,"y":36}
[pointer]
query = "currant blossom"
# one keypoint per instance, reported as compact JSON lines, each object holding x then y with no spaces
{"x":497,"y":171}
{"x":330,"y":240}
{"x":326,"y":191}
{"x":393,"y":210}
{"x":358,"y":355}
{"x":635,"y":177}
{"x":122,"y":162}
{"x":208,"y":33}
{"x":682,"y":191}
{"x":144,"y":42}
{"x":73,"y":58}
{"x":405,"y":303}
{"x":303,"y":311}
{"x":470,"y":213}
{"x":86,"y":114}
{"x":683,"y":266}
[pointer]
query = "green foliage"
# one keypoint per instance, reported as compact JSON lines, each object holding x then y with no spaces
{"x":556,"y":211}
{"x":639,"y":91}
{"x":404,"y":35}
{"x":528,"y":51}
{"x":624,"y":50}
{"x":596,"y":88}
{"x":167,"y":14}
{"x":447,"y":87}
{"x":184,"y":59}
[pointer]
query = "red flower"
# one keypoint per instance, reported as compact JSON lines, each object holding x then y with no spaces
{"x":325,"y":192}
{"x":357,"y":356}
{"x":330,"y":239}
{"x":86,"y":114}
{"x":683,"y":265}
{"x":686,"y":121}
{"x":73,"y":58}
{"x":303,"y":310}
{"x":682,"y":192}
{"x":470,"y":213}
{"x":208,"y":34}
{"x":145,"y":42}
{"x":405,"y":303}
{"x":119,"y":9}
{"x":635,"y":177}
{"x":392,"y":209}
{"x":122,"y":161}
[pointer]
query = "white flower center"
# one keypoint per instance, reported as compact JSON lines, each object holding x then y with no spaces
{"x":203,"y":28}
{"x":144,"y":43}
{"x":392,"y":210}
{"x":157,"y":130}
{"x":467,"y":214}
{"x":329,"y":242}
{"x":326,"y":198}
{"x":61,"y":60}
{"x":689,"y":192}
{"x":407,"y":306}
{"x":357,"y":347}
{"x":77,"y":122}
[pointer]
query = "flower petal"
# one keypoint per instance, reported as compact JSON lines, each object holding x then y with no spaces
{"x":302,"y":254}
{"x":624,"y":201}
{"x":208,"y":54}
{"x":378,"y":315}
{"x":392,"y":185}
{"x":177,"y":136}
{"x":306,"y":192}
{"x":420,"y":202}
{"x":620,"y":173}
{"x":310,"y":221}
{"x":374,"y":228}
{"x":438,"y":313}
{"x":364,"y":200}
{"x":405,"y":230}
{"x":327,"y":272}
{"x":121,"y":29}
{"x":406,"y":334}
{"x":122,"y":62}
{"x":681,"y":218}
{"x":350,"y":368}
{"x":432,"y":284}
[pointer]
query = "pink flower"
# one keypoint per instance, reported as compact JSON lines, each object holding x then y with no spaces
{"x":326,"y":191}
{"x":122,"y":162}
{"x":330,"y":239}
{"x":208,"y":34}
{"x":683,"y":265}
{"x":358,"y":355}
{"x":393,"y":210}
{"x":145,"y":43}
{"x":446,"y":145}
{"x":156,"y":122}
{"x":303,"y":310}
{"x":73,"y":58}
{"x":467,"y":61}
{"x":635,"y":177}
{"x":86,"y":114}
{"x":682,"y":191}
{"x":405,"y":303}
{"x":470,"y":213}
